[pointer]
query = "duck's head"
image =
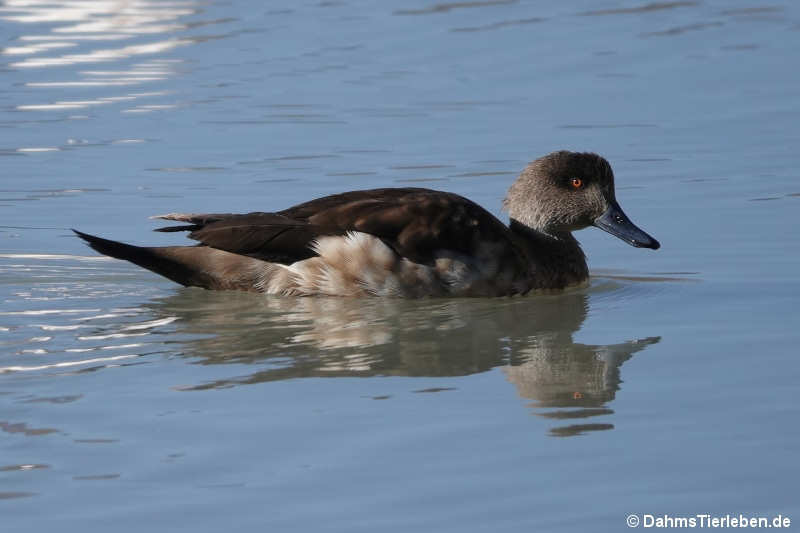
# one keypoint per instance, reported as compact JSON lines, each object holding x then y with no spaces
{"x":567,"y":191}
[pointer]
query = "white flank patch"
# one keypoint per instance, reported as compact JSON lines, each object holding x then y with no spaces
{"x":360,"y":264}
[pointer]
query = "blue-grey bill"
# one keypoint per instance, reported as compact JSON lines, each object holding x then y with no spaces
{"x":617,"y":223}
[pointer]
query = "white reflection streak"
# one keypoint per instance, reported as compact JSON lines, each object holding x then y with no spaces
{"x":110,"y":336}
{"x":4,"y":369}
{"x":149,"y":108}
{"x":97,"y":83}
{"x":152,"y":323}
{"x":99,"y":56}
{"x":46,"y":312}
{"x":78,"y":104}
{"x":131,"y":13}
{"x":84,"y":22}
{"x":133,"y":72}
{"x":34,"y":48}
{"x":77,"y":37}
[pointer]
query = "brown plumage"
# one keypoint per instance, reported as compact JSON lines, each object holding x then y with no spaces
{"x":407,"y":242}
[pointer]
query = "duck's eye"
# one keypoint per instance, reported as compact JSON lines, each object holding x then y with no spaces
{"x":576,"y":183}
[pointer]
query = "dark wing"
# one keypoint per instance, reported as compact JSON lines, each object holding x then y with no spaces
{"x":267,"y":236}
{"x":414,"y":222}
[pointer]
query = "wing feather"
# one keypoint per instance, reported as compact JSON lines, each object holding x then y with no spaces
{"x":416,"y":223}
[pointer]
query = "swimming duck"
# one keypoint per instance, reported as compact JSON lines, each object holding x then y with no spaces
{"x":402,"y":242}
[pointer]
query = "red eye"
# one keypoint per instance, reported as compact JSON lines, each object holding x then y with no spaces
{"x":576,"y":183}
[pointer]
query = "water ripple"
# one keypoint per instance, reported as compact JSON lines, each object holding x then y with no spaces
{"x":60,"y":335}
{"x":99,"y":32}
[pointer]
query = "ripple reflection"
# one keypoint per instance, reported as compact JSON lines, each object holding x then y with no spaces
{"x":102,"y":31}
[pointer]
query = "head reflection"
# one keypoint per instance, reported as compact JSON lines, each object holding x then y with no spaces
{"x":530,"y":338}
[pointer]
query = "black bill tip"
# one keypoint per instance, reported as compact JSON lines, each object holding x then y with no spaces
{"x":616,"y":222}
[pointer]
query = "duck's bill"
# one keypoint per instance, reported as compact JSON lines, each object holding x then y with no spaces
{"x":619,"y":225}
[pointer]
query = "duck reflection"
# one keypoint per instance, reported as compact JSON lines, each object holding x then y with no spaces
{"x":530,"y":338}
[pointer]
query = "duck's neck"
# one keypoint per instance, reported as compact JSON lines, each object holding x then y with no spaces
{"x":555,"y":258}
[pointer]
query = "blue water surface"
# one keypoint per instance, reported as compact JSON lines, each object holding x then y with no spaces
{"x":666,"y":387}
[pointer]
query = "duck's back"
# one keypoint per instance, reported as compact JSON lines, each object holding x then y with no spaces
{"x":393,"y":242}
{"x":414,"y":222}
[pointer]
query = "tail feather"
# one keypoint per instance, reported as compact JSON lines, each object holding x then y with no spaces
{"x":188,"y":227}
{"x":196,"y":266}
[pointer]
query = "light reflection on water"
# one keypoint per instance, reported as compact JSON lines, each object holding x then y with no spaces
{"x":133,"y":35}
{"x":531,"y":339}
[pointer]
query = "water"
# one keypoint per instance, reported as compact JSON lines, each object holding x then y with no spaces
{"x":668,"y":386}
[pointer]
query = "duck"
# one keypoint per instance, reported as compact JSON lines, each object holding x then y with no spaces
{"x":401,"y":242}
